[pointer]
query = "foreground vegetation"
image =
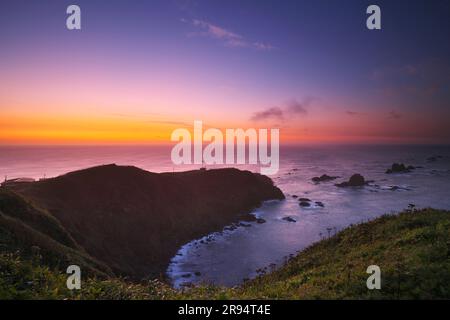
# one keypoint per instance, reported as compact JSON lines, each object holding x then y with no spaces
{"x":411,"y":248}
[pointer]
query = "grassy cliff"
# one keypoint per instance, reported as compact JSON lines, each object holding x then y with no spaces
{"x":132,"y":220}
{"x":411,"y":248}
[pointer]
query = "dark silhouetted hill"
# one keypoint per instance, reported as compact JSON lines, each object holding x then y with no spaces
{"x":134,"y":221}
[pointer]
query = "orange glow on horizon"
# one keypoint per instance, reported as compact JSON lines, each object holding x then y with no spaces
{"x":48,"y":130}
{"x":82,"y":130}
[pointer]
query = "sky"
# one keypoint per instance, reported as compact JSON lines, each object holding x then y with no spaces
{"x":137,"y":70}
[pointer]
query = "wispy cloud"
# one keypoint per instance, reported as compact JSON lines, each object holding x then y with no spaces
{"x":271,"y":113}
{"x":290,"y":109}
{"x":227,"y":37}
{"x":262,"y":46}
{"x":295,"y":107}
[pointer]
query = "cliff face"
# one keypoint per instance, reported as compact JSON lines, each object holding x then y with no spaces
{"x":134,"y":221}
{"x":39,"y":237}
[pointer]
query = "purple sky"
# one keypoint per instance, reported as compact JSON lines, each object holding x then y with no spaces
{"x":311,"y":68}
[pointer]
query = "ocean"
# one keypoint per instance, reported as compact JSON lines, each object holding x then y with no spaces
{"x":230,"y":256}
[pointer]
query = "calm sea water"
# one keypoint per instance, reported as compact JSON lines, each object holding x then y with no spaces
{"x":228,"y":257}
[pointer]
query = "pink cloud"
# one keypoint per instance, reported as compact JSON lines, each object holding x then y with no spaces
{"x":228,"y":37}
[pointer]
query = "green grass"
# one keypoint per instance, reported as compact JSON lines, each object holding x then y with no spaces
{"x":32,"y":231}
{"x":411,"y":248}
